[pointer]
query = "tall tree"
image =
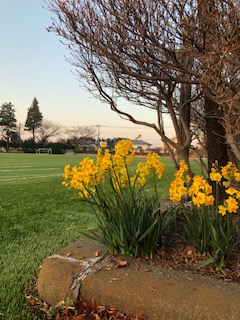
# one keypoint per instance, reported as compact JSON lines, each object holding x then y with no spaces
{"x":7,"y":122}
{"x":34,"y":118}
{"x":220,"y":79}
{"x":155,"y":54}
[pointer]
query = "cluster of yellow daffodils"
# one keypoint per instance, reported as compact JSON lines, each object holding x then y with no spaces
{"x":151,"y":165}
{"x":104,"y":163}
{"x":201,"y":192}
{"x":123,"y":156}
{"x":230,"y":172}
{"x":227,"y":175}
{"x":88,"y":175}
{"x":82,"y":178}
{"x":123,"y":148}
{"x":178,"y":186}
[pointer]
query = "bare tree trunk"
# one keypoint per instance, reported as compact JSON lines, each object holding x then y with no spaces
{"x":7,"y":144}
{"x":216,"y":139}
{"x":171,"y":154}
{"x":33,"y":133}
{"x":232,"y":137}
{"x":184,"y":125}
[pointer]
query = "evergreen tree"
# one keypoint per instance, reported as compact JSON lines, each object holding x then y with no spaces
{"x":34,"y":118}
{"x":7,"y":122}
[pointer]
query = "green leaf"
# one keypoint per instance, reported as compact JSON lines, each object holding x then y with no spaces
{"x":204,"y":263}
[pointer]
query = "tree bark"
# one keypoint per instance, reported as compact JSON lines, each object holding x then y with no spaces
{"x":33,"y":135}
{"x":184,"y":125}
{"x":7,"y":144}
{"x":216,"y":140}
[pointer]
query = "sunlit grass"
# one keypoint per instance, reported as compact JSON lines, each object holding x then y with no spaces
{"x":37,"y":218}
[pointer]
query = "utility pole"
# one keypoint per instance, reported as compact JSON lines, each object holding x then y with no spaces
{"x":98,"y":134}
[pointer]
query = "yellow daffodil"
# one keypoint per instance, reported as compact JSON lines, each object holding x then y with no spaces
{"x":215,"y":176}
{"x":231,"y":191}
{"x":232,"y":204}
{"x":103,"y":144}
{"x":237,"y":176}
{"x":222,"y":210}
{"x":209,"y":200}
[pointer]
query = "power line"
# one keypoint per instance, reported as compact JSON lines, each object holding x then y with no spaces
{"x":135,"y":128}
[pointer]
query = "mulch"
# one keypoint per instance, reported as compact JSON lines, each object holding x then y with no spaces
{"x":185,"y":258}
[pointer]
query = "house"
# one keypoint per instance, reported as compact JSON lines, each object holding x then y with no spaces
{"x":85,"y":144}
{"x":88,"y":146}
{"x":140,"y":146}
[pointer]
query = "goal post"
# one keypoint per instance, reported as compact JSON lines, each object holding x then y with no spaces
{"x":44,"y":151}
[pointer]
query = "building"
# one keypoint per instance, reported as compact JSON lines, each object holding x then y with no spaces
{"x":140,"y":146}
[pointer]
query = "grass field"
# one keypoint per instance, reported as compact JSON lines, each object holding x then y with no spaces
{"x":37,"y":217}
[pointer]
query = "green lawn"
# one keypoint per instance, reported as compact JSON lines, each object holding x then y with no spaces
{"x":37,"y":217}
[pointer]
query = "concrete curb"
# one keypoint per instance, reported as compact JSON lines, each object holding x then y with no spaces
{"x":85,"y":269}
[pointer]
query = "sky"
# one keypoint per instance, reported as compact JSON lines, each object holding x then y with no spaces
{"x":32,"y":64}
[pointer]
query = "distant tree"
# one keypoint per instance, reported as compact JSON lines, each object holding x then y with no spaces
{"x":47,"y":130}
{"x":7,"y":122}
{"x":67,"y":142}
{"x":20,"y":128}
{"x":79,"y":135}
{"x":28,"y":146}
{"x":34,"y":118}
{"x":57,"y":147}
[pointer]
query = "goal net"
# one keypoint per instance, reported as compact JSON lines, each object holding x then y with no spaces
{"x":44,"y":151}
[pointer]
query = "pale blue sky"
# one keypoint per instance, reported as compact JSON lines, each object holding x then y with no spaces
{"x":32,"y":64}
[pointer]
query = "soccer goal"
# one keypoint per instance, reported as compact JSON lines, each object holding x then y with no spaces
{"x":44,"y":151}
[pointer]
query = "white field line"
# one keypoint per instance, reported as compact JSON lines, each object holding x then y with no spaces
{"x":30,"y":177}
{"x":33,"y":169}
{"x":26,"y":165}
{"x":30,"y":165}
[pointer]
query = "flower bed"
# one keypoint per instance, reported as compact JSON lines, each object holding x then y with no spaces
{"x":132,"y":221}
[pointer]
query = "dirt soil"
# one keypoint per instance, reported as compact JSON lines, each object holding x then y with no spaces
{"x":184,"y":258}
